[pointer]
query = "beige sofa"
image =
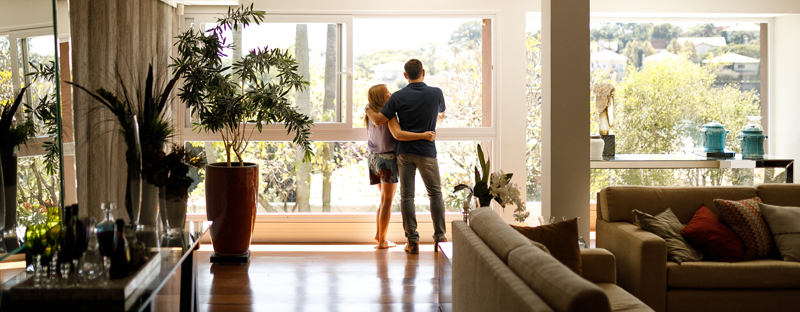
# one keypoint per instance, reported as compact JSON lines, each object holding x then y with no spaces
{"x":497,"y":269}
{"x":643,"y":270}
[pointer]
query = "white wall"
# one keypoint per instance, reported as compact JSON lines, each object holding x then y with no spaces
{"x":784,"y":129}
{"x":25,"y":14}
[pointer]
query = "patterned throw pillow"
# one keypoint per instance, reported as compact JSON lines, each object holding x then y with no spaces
{"x":745,"y":219}
{"x":667,"y":226}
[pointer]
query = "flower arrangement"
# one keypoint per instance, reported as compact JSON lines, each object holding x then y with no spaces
{"x":496,"y":186}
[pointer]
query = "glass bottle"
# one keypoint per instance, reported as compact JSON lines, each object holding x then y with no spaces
{"x":92,"y":261}
{"x":106,"y":234}
{"x":66,"y":243}
{"x":121,"y":256}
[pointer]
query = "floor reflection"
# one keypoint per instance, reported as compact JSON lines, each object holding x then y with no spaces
{"x":332,"y":278}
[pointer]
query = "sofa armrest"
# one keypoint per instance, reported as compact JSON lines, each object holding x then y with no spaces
{"x":598,"y":265}
{"x":641,"y":259}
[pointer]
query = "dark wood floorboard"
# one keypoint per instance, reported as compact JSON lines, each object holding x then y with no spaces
{"x":385,"y":280}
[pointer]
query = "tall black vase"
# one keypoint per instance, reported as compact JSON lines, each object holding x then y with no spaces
{"x":8,"y":161}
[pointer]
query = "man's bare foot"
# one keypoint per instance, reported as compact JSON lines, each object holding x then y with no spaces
{"x":385,"y":244}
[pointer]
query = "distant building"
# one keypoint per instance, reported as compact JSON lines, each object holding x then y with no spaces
{"x":747,"y":67}
{"x":659,"y":57}
{"x":702,"y":44}
{"x":612,"y":63}
{"x":659,"y":44}
{"x":388,"y":72}
{"x":603,"y":44}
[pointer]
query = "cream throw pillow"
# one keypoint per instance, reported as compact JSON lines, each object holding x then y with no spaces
{"x":667,"y":226}
{"x":784,"y":223}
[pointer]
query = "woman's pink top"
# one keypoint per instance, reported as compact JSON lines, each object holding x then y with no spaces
{"x":380,"y":138}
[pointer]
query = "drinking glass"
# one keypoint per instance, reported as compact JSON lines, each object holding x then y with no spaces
{"x":36,"y":242}
{"x":542,"y":221}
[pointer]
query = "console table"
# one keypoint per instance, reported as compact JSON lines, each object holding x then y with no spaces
{"x":176,"y":253}
{"x":683,"y":161}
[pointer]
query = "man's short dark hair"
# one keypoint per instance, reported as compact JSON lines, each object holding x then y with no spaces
{"x":413,"y":69}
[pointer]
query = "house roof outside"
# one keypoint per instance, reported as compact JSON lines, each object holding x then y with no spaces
{"x":607,"y":56}
{"x":712,"y":41}
{"x":660,"y":56}
{"x":658,"y":44}
{"x":731,"y":57}
{"x":397,"y":66}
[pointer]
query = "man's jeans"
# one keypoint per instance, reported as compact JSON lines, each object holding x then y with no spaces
{"x":428,"y":167}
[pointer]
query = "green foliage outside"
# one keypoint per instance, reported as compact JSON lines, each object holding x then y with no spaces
{"x":37,"y":184}
{"x":660,"y":109}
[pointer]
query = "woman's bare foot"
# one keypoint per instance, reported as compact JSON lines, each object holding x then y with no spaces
{"x":385,"y":244}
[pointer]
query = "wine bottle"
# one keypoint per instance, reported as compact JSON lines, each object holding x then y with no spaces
{"x":121,"y":257}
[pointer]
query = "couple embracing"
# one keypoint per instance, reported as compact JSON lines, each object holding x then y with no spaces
{"x":401,"y":129}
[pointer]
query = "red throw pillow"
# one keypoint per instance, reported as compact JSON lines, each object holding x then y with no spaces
{"x":715,"y":239}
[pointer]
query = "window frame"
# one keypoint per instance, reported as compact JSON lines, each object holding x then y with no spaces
{"x":312,"y":227}
{"x":35,"y":145}
{"x":343,"y":131}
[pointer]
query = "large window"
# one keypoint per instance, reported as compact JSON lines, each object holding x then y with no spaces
{"x":23,"y":53}
{"x":670,"y":79}
{"x":342,"y":57}
{"x":677,"y":77}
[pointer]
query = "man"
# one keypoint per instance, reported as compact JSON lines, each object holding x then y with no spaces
{"x":418,"y":108}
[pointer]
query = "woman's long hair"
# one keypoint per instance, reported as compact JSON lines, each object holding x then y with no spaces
{"x":376,"y":99}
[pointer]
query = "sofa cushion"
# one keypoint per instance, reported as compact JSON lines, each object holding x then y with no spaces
{"x":745,"y":219}
{"x":562,"y":289}
{"x":780,"y":194}
{"x":495,"y":232}
{"x":667,"y":226}
{"x":481,"y":282}
{"x":711,"y":236}
{"x":617,"y":202}
{"x":762,"y":273}
{"x":622,"y":300}
{"x":784,"y":224}
{"x":561,"y":240}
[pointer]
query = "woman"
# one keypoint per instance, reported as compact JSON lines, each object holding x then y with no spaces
{"x":382,"y":160}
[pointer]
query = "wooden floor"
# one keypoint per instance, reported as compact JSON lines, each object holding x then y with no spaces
{"x":326,"y":278}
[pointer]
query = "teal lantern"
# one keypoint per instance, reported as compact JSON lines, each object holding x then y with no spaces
{"x":713,"y":137}
{"x":752,"y":139}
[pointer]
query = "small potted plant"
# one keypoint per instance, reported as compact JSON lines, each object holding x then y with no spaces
{"x":225,"y":103}
{"x":496,"y":186}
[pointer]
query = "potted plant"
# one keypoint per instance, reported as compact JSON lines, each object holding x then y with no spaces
{"x":170,"y":173}
{"x":12,"y":133}
{"x":141,"y":114}
{"x":224,"y":103}
{"x":496,"y":186}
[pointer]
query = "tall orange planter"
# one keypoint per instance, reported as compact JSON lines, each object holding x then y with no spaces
{"x":231,"y":196}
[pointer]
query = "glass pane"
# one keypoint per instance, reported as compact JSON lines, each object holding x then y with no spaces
{"x":38,"y":187}
{"x":345,"y":163}
{"x":533,"y":99}
{"x":6,"y":85}
{"x":450,"y":52}
{"x":41,"y":55}
{"x":676,"y":77}
{"x":314,"y":46}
